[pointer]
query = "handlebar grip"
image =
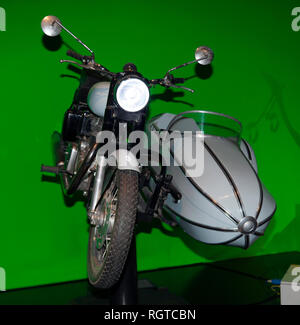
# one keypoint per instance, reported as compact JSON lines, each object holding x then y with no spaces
{"x":75,"y":55}
{"x":179,"y":80}
{"x":50,"y":169}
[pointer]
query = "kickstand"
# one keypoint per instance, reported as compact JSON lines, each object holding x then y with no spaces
{"x":124,"y":292}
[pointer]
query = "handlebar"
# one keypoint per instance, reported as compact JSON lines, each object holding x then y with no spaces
{"x":170,"y":81}
{"x":88,"y":63}
{"x":167,"y":81}
{"x":178,"y":81}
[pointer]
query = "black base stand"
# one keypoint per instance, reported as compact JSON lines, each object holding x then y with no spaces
{"x":128,"y":291}
{"x":125,"y":290}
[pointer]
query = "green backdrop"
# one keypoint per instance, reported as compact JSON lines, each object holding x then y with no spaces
{"x":254,"y":78}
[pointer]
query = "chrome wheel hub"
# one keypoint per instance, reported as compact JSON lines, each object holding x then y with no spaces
{"x":104,"y":221}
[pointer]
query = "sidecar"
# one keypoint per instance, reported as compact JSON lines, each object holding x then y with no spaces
{"x":227,"y":204}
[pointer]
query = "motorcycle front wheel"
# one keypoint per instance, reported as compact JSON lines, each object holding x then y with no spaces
{"x":109,"y":241}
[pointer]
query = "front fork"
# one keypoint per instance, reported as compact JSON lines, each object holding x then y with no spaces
{"x":123,"y":160}
{"x":101,"y":163}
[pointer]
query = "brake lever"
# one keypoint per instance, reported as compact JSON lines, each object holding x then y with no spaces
{"x":166,"y":82}
{"x":182,"y":87}
{"x":85,"y":66}
{"x":94,"y":67}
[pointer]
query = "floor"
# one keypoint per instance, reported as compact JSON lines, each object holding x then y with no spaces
{"x":232,"y":282}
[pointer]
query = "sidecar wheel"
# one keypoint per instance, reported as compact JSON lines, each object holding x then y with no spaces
{"x":109,"y":241}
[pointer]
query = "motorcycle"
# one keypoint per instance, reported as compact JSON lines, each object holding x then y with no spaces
{"x":225,"y":203}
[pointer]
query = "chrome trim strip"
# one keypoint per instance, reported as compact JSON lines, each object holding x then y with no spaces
{"x":221,"y":243}
{"x":264,"y":221}
{"x":219,"y":206}
{"x":229,"y":241}
{"x":260,"y":203}
{"x":257,"y":233}
{"x":246,"y":241}
{"x":229,"y":178}
{"x":247,"y":148}
{"x":200,"y":224}
{"x":267,"y":219}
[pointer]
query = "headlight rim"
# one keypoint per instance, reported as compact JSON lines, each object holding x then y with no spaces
{"x":117,"y":87}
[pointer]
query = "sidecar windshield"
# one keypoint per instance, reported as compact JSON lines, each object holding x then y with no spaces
{"x":209,"y":123}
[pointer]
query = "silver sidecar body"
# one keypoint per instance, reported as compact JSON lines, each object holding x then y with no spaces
{"x":227,"y":204}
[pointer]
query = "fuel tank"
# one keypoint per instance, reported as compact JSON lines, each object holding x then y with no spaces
{"x":227,"y":204}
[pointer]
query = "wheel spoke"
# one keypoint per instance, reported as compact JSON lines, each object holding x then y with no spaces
{"x":102,"y":236}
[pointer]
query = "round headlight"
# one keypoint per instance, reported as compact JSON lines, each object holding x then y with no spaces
{"x":132,"y":95}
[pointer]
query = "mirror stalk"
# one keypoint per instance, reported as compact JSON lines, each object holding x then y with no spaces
{"x":185,"y":64}
{"x":77,"y":39}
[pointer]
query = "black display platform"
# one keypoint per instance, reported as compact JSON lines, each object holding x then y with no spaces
{"x":148,"y":294}
{"x":231,"y":282}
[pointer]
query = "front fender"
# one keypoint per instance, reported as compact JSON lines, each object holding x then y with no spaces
{"x":124,"y":160}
